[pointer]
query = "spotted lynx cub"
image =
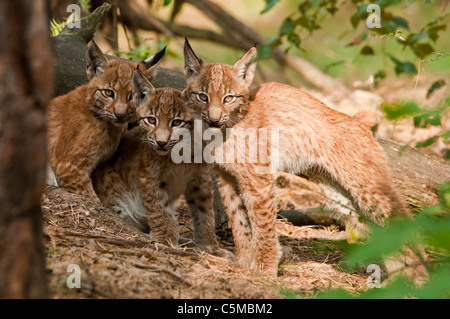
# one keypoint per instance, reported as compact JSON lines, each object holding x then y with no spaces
{"x":312,"y":138}
{"x":142,"y":182}
{"x":86,"y":125}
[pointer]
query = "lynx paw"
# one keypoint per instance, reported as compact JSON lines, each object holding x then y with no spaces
{"x":217,"y":251}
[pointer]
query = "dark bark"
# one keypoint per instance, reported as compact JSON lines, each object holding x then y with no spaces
{"x":26,"y":85}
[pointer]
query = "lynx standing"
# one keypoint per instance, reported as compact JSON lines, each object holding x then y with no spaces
{"x":86,"y":125}
{"x":312,"y":138}
{"x":142,"y":182}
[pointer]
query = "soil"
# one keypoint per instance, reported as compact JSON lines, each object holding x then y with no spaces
{"x":119,"y":261}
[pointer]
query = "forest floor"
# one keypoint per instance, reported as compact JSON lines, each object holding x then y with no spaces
{"x":118,"y":261}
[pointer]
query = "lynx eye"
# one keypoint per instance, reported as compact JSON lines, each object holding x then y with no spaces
{"x":151,"y":120}
{"x":202,"y":97}
{"x":130,"y":96}
{"x":177,"y":122}
{"x":108,"y":93}
{"x":229,"y":99}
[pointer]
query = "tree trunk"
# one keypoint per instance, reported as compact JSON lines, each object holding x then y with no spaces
{"x":26,"y":84}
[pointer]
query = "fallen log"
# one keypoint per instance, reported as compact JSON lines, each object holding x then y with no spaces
{"x":415,"y":174}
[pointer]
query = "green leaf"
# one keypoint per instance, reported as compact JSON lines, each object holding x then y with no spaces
{"x":367,"y":50}
{"x":386,"y":3}
{"x":422,"y":50}
{"x":400,"y":22}
{"x":86,"y":5}
{"x":384,"y":242}
{"x":396,"y":111}
{"x":438,"y":287}
{"x":432,"y":117}
{"x":359,"y":15}
{"x":167,"y":2}
{"x":427,"y":142}
{"x":447,"y":155}
{"x":433,"y":32}
{"x":264,"y":52}
{"x":403,"y":67}
{"x":379,"y":75}
{"x":287,"y":27}
{"x":269,"y":5}
{"x":435,"y":86}
{"x":177,"y":6}
{"x":446,"y":137}
{"x":332,"y":65}
{"x":273,"y":42}
{"x":294,"y":39}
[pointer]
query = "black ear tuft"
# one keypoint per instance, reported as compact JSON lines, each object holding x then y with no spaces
{"x":192,"y":63}
{"x":155,"y":58}
{"x":96,"y":61}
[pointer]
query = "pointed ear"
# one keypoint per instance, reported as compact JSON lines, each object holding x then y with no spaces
{"x":151,"y":63}
{"x":192,"y":64}
{"x":96,"y":61}
{"x":245,"y":69}
{"x":142,"y":88}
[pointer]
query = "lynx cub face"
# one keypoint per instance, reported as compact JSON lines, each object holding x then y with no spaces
{"x":162,"y":114}
{"x":110,"y":97}
{"x":219,"y":91}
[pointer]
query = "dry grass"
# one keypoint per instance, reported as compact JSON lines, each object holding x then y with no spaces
{"x":117,"y":261}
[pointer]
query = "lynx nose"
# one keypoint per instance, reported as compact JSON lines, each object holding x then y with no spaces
{"x":120,"y":115}
{"x":161,"y":143}
{"x":214,"y":115}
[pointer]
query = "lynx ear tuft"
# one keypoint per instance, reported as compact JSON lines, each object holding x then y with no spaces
{"x":192,"y":64}
{"x":141,"y":86}
{"x":151,"y":63}
{"x":96,"y":61}
{"x":245,"y":69}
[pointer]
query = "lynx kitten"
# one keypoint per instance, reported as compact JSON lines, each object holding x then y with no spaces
{"x":142,"y":182}
{"x":86,"y":125}
{"x":313,"y":139}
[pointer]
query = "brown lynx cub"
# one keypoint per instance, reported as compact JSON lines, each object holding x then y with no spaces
{"x":142,"y":182}
{"x":86,"y":125}
{"x":312,"y":138}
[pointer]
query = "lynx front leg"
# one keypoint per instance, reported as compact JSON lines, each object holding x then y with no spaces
{"x":199,"y":196}
{"x":237,"y":217}
{"x":259,"y":199}
{"x":75,"y":179}
{"x":161,"y":212}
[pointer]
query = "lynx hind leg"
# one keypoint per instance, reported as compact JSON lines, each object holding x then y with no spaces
{"x":341,"y":207}
{"x":124,"y":200}
{"x":199,"y":197}
{"x":249,"y":200}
